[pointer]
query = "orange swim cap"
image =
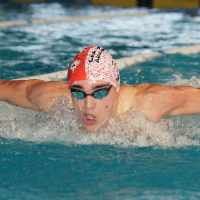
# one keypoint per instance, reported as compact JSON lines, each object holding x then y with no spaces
{"x":94,"y":63}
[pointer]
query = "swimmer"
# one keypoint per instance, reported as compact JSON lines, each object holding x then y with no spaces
{"x":93,"y":89}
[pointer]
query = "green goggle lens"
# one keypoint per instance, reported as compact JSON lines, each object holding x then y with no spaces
{"x":78,"y":95}
{"x":98,"y":94}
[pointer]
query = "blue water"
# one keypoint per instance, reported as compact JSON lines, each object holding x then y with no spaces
{"x":40,"y":158}
{"x":42,"y":48}
{"x":55,"y":171}
{"x":162,"y":69}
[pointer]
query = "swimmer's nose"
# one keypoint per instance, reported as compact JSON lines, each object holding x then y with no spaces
{"x":89,"y":102}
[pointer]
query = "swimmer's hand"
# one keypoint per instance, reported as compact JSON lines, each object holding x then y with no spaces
{"x":33,"y":94}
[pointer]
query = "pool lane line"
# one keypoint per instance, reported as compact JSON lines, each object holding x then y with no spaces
{"x":55,"y":76}
{"x":72,"y":19}
{"x":127,"y":61}
{"x":194,"y":49}
{"x":122,"y":62}
{"x":5,"y":24}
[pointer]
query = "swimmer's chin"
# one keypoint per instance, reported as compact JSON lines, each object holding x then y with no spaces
{"x":91,"y":129}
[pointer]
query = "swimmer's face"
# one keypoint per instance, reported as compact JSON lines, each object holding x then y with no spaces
{"x":93,"y":113}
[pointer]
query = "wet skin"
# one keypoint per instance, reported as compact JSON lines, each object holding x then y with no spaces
{"x":154,"y":100}
{"x":94,"y":113}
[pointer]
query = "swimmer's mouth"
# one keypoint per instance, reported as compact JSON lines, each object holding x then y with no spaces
{"x":89,"y":119}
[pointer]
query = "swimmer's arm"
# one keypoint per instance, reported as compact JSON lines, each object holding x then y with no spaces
{"x":32,"y":94}
{"x":185,"y":100}
{"x":157,"y":101}
{"x":162,"y":100}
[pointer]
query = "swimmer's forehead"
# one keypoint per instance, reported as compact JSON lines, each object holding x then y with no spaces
{"x":90,"y":84}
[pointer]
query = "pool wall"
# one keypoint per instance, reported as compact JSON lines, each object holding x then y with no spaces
{"x":170,"y":4}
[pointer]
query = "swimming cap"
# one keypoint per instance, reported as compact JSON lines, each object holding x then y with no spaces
{"x":94,"y":63}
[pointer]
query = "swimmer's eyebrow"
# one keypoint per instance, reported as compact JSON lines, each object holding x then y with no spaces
{"x":77,"y":86}
{"x":94,"y":88}
{"x":101,"y":86}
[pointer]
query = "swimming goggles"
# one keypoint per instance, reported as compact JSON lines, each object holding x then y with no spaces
{"x":98,"y":94}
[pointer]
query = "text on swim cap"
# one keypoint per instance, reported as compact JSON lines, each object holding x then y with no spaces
{"x":97,"y":57}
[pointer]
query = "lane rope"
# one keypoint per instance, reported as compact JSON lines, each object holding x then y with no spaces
{"x":5,"y":24}
{"x":122,"y":62}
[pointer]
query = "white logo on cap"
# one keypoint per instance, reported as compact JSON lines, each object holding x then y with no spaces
{"x":74,"y":64}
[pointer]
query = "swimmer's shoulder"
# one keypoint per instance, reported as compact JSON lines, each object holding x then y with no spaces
{"x":128,"y":96}
{"x":44,"y":94}
{"x":133,"y":90}
{"x":53,"y":88}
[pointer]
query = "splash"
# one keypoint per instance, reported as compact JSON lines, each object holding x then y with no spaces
{"x":130,"y":129}
{"x":179,"y":80}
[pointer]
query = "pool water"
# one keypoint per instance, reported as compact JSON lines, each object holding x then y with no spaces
{"x":42,"y":48}
{"x":56,"y":171}
{"x":49,"y":156}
